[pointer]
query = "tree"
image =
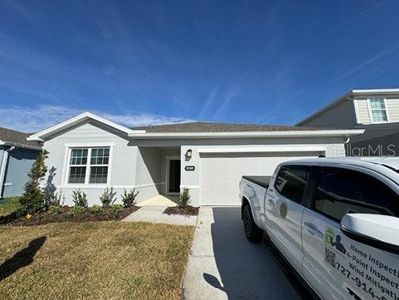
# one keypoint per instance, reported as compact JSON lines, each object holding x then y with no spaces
{"x":33,"y":198}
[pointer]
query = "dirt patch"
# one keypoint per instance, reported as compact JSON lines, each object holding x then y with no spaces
{"x":187,"y":210}
{"x":63,"y":214}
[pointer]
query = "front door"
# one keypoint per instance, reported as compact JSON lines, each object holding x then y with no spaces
{"x":174,"y":176}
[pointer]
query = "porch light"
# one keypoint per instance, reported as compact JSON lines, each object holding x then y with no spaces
{"x":189,"y":154}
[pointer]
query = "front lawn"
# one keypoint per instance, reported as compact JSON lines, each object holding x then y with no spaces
{"x":97,"y":260}
{"x":8,"y":205}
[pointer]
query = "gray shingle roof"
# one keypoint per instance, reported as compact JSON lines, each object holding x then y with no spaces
{"x":219,"y":127}
{"x":16,"y":137}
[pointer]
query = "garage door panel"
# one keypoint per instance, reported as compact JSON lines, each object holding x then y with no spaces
{"x":220,"y":174}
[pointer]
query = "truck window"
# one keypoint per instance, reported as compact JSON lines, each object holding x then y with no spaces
{"x":341,"y":191}
{"x":291,"y":182}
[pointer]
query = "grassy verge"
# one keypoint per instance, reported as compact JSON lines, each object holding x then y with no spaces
{"x":9,"y":205}
{"x":96,"y":260}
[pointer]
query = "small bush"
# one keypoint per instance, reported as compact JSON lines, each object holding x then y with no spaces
{"x":129,"y":198}
{"x":54,"y":209}
{"x":79,"y":198}
{"x":184,"y":198}
{"x":108,"y":197}
{"x":116,"y":208}
{"x":76,"y":210}
{"x":96,"y":209}
{"x":33,"y":197}
{"x":57,"y":199}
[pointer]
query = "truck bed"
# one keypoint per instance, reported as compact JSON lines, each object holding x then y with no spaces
{"x":259,"y":180}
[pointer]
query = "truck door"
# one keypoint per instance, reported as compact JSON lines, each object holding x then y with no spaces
{"x":284,"y":211}
{"x":336,"y":266}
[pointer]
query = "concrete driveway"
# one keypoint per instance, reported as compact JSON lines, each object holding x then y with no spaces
{"x":224,"y":265}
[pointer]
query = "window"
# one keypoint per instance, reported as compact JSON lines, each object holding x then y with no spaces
{"x":342,"y":191}
{"x":88,"y":165}
{"x":378,"y":110}
{"x":291,"y":182}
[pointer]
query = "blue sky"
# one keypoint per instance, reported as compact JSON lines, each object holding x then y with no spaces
{"x":140,"y":62}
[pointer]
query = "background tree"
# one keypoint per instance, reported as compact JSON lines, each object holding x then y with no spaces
{"x":33,"y":198}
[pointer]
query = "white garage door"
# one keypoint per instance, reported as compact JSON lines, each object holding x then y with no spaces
{"x":220,"y":174}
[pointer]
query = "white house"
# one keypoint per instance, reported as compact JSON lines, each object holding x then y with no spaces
{"x":90,"y":153}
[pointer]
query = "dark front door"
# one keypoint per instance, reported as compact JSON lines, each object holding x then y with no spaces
{"x":174,"y":176}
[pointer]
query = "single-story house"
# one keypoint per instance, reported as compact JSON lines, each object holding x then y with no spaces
{"x":16,"y":158}
{"x":91,"y":153}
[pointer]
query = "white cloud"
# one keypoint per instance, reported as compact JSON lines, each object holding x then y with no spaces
{"x":36,"y":119}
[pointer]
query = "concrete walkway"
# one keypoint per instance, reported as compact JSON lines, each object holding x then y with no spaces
{"x":154,"y":214}
{"x":224,"y":265}
{"x":159,"y":200}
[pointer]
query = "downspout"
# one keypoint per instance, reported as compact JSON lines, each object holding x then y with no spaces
{"x":346,"y":144}
{"x":4,"y":162}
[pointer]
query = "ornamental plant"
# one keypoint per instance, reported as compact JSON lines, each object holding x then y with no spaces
{"x":129,"y":198}
{"x":184,"y":198}
{"x":33,"y":199}
{"x":79,"y":198}
{"x":108,"y":197}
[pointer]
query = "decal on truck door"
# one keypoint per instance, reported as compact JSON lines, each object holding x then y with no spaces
{"x":365,"y":273}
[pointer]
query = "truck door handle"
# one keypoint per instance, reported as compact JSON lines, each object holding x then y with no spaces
{"x":313,"y":230}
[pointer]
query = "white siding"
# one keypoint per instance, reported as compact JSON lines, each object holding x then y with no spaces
{"x":341,"y":116}
{"x":122,"y":163}
{"x":362,"y":110}
{"x":393,"y":109}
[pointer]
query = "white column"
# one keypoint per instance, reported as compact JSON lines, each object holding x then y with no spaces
{"x":190,"y":173}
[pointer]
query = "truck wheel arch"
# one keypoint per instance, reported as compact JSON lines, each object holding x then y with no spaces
{"x":244,"y":202}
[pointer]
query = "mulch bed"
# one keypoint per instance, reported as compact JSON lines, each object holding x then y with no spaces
{"x":62,"y":215}
{"x":176,"y":210}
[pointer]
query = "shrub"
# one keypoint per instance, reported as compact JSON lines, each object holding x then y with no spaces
{"x":54,"y":209}
{"x":129,"y":198}
{"x":76,"y":210}
{"x":116,"y":208}
{"x":184,"y":198}
{"x":79,"y":198}
{"x":108,"y":197}
{"x":57,"y":199}
{"x":33,"y":198}
{"x":96,"y":209}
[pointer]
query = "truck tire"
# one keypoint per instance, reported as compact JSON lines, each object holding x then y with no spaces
{"x":253,"y":233}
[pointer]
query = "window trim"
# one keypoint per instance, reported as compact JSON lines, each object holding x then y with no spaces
{"x":370,"y":111}
{"x":90,"y":146}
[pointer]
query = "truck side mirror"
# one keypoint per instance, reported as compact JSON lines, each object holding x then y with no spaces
{"x":378,"y":231}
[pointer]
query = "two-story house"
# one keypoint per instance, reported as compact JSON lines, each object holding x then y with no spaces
{"x":375,"y":110}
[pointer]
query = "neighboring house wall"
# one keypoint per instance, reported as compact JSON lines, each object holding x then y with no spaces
{"x":19,"y":163}
{"x":341,"y":116}
{"x":122,"y":165}
{"x":364,"y":114}
{"x":386,"y":145}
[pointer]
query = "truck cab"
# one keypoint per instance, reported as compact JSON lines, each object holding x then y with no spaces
{"x":336,"y":221}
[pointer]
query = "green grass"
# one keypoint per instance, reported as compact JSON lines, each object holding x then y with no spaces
{"x":9,"y":205}
{"x":93,"y":260}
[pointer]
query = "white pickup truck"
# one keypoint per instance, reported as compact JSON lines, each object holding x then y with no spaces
{"x":336,"y":221}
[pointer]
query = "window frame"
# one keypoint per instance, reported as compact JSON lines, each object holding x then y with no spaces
{"x":88,"y":165}
{"x":308,"y":185}
{"x":370,"y":110}
{"x":311,"y":204}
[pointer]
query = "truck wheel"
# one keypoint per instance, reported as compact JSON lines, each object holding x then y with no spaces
{"x":252,"y":231}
